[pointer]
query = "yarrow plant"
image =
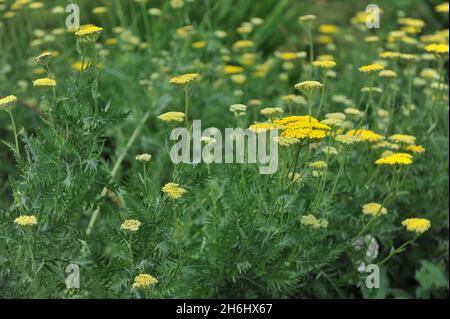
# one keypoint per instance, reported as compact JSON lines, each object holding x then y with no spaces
{"x":187,"y":150}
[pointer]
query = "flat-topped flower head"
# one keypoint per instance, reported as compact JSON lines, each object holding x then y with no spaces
{"x":308,"y":86}
{"x":232,"y":69}
{"x":143,"y":157}
{"x":243,"y":44}
{"x":7,"y":102}
{"x":366,"y":135}
{"x":26,"y":220}
{"x":184,"y":79}
{"x":325,"y":64}
{"x":403,"y":138}
{"x":328,"y":29}
{"x":44,"y":57}
{"x":286,"y":141}
{"x":144,"y":281}
{"x":238,"y":109}
{"x":44,"y":83}
{"x":131,"y":225}
{"x":437,"y":48}
{"x":264,"y":127}
{"x":313,"y":222}
{"x":347,"y":139}
{"x":333,"y":122}
{"x":89,"y":33}
{"x":303,"y":127}
{"x":371,"y":68}
{"x":417,"y":225}
{"x":287,"y":56}
{"x":318,"y":165}
{"x":173,"y":190}
{"x":387,"y":74}
{"x":390,"y":55}
{"x":172,"y":117}
{"x":272,"y":111}
{"x":415,"y":149}
{"x":374,"y":209}
{"x":396,"y":159}
{"x":442,"y":8}
{"x":307,"y":18}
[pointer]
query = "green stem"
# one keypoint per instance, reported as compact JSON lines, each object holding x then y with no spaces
{"x":398,"y":250}
{"x":13,"y":123}
{"x":116,"y":168}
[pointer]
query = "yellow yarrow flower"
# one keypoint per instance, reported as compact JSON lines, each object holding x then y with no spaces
{"x":417,"y":225}
{"x":232,"y":69}
{"x":374,"y":209}
{"x":144,"y":281}
{"x":143,"y":157}
{"x":442,"y":8}
{"x":131,"y":225}
{"x":415,"y":149}
{"x":308,"y":86}
{"x":89,"y":32}
{"x":325,"y":64}
{"x":438,"y":48}
{"x":366,"y":135}
{"x":264,"y":127}
{"x":172,"y":117}
{"x":26,"y":220}
{"x":184,"y":79}
{"x":396,"y":159}
{"x":8,"y":101}
{"x":403,"y":138}
{"x":173,"y":190}
{"x":311,"y":221}
{"x":328,"y":29}
{"x":44,"y":82}
{"x":371,"y":68}
{"x":287,"y":56}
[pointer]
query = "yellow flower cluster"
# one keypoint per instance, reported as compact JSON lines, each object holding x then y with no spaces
{"x":8,"y":101}
{"x":286,"y":141}
{"x":396,"y":159}
{"x":366,"y":135}
{"x":347,"y":139}
{"x":374,"y":209}
{"x":308,"y":85}
{"x":173,"y":190}
{"x":26,"y":220}
{"x":403,"y":138}
{"x":288,"y":56}
{"x":143,"y":157}
{"x":312,"y":221}
{"x":184,"y":79}
{"x":264,"y":127}
{"x":415,"y":149}
{"x":172,"y":117}
{"x":131,"y":225}
{"x":271,"y":111}
{"x":438,"y":48}
{"x":144,"y":281}
{"x":442,"y":8}
{"x":303,"y":127}
{"x":318,"y":165}
{"x":371,"y":68}
{"x":326,"y":64}
{"x":417,"y":225}
{"x":89,"y":31}
{"x":44,"y":82}
{"x":232,"y":69}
